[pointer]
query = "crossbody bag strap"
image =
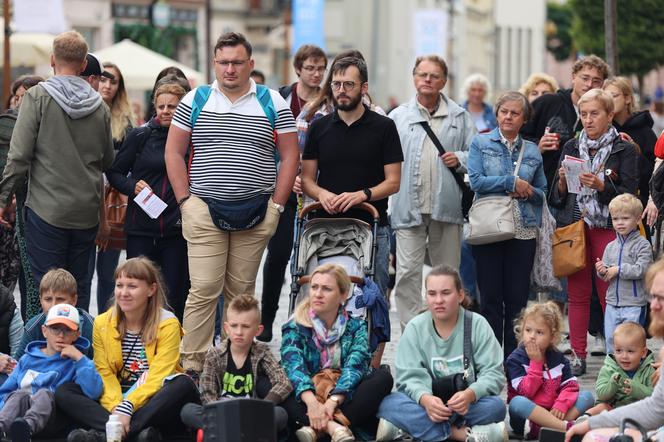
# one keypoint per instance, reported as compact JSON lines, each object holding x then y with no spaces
{"x":467,"y":342}
{"x":442,"y":151}
{"x":518,"y":162}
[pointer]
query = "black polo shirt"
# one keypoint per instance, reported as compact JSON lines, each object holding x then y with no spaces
{"x":353,"y":157}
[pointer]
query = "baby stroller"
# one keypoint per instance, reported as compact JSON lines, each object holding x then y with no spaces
{"x":348,"y":242}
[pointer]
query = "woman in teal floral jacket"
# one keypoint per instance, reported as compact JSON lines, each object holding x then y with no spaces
{"x":322,"y":341}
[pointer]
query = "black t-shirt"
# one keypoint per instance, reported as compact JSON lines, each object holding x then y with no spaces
{"x":238,"y":382}
{"x":353,"y":157}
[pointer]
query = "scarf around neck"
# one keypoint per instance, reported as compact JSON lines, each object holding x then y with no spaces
{"x":327,"y":340}
{"x":594,"y":213}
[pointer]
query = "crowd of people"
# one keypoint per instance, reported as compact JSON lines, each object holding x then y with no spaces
{"x":231,"y":164}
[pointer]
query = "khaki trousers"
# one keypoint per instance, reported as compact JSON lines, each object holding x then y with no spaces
{"x":442,"y":240}
{"x":219,"y":261}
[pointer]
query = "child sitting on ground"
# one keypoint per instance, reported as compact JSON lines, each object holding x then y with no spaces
{"x":626,"y":375}
{"x":541,"y":390}
{"x":57,"y":286}
{"x":624,"y":266}
{"x":241,"y":366}
{"x":26,"y":398}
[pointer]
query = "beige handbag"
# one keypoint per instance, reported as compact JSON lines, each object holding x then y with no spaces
{"x":491,"y":218}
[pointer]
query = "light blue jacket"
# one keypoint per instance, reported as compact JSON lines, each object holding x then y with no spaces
{"x":455,"y":135}
{"x":491,"y":172}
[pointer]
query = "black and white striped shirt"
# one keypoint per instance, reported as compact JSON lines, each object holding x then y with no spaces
{"x":233,"y":144}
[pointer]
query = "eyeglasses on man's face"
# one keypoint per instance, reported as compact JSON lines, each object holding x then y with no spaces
{"x":652,"y":297}
{"x":311,"y":69}
{"x":346,"y":85}
{"x":428,"y":75}
{"x":235,"y":63}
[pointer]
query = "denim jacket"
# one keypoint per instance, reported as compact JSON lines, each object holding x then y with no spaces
{"x":455,"y":135}
{"x":491,"y":172}
{"x":301,"y":359}
{"x":487,"y":114}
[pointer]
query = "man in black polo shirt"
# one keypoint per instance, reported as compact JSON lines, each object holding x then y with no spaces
{"x":356,"y":155}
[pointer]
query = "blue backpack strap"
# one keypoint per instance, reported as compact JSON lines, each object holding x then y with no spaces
{"x":200,"y":98}
{"x":265,"y":99}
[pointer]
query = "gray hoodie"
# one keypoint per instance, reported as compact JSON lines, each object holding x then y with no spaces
{"x":74,"y":95}
{"x":632,"y":254}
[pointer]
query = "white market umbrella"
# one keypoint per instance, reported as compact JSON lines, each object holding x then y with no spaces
{"x":140,"y":65}
{"x":29,"y":49}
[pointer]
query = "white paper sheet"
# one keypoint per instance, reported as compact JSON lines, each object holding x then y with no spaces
{"x":150,"y":203}
{"x":573,"y":168}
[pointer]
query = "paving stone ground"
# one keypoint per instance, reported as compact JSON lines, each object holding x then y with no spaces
{"x":587,"y":381}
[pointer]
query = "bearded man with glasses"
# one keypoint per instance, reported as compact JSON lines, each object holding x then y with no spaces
{"x":353,"y":155}
{"x":426,"y":213}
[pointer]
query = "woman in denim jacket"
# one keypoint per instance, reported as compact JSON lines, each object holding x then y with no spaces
{"x":613,"y":165}
{"x":322,"y":338}
{"x":503,"y":268}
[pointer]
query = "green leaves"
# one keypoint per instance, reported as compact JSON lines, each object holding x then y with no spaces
{"x":640,"y":33}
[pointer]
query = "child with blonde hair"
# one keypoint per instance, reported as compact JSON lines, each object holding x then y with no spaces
{"x":626,"y":375}
{"x":623,"y":266}
{"x":541,"y":390}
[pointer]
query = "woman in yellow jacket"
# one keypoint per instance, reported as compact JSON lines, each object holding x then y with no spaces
{"x":137,"y":353}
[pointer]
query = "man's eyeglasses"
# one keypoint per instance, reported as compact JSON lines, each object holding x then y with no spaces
{"x":226,"y":63}
{"x":427,"y":75}
{"x":347,"y":85}
{"x":312,"y":69}
{"x":653,"y":297}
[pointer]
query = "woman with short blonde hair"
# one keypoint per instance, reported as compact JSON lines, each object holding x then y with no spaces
{"x":538,"y":84}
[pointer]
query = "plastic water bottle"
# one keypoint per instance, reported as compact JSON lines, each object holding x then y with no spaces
{"x":114,"y":429}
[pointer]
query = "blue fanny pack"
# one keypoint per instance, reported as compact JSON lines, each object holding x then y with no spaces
{"x":233,"y":216}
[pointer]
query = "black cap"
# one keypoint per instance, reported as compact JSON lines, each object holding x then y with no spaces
{"x":94,"y":68}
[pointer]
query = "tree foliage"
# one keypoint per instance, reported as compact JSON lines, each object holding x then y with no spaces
{"x":558,"y":30}
{"x":639,"y":28}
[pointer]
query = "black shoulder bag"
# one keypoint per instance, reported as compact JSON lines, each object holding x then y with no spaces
{"x":467,"y":195}
{"x":447,"y":386}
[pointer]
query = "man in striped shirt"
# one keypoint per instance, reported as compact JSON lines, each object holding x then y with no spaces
{"x":233,"y":160}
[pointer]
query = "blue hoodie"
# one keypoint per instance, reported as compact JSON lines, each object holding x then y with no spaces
{"x":35,"y":371}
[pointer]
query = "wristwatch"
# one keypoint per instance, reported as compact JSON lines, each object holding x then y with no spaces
{"x":334,"y":399}
{"x":367,"y":192}
{"x":279,"y":207}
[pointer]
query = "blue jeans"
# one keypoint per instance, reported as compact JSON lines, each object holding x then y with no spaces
{"x":405,"y":413}
{"x":106,"y":262}
{"x":614,"y":316}
{"x":381,"y":269}
{"x":468,"y":272}
{"x":521,"y":407}
{"x":53,"y":247}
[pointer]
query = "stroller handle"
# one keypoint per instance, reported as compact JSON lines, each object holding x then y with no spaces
{"x":362,"y":206}
{"x":306,"y":279}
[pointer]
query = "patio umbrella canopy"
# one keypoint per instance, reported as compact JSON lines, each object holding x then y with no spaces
{"x":140,"y":66}
{"x":29,"y":49}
